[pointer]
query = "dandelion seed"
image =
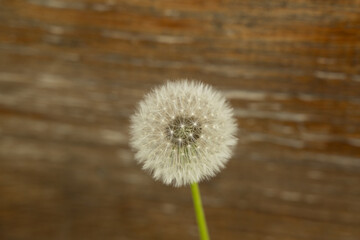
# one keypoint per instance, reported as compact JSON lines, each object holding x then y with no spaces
{"x":193,"y":157}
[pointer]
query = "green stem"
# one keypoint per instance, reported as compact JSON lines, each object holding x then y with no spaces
{"x":200,"y":216}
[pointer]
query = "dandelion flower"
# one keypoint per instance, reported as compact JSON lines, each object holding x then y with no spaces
{"x":183,"y":132}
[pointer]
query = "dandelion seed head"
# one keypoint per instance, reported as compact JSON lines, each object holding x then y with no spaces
{"x":183,"y":132}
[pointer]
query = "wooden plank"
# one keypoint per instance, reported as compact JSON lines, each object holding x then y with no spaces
{"x":71,"y":74}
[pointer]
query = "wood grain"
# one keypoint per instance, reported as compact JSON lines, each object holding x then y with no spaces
{"x":71,"y":73}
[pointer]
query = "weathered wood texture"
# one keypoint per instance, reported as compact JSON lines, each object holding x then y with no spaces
{"x":71,"y":73}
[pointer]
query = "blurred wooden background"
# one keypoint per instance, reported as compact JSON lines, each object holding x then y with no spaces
{"x":71,"y":73}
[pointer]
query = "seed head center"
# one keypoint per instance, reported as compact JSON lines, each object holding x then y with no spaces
{"x":183,"y":131}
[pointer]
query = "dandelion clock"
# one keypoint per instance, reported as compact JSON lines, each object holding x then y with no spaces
{"x":183,"y":132}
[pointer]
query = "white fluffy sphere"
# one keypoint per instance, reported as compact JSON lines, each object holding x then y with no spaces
{"x":183,"y":132}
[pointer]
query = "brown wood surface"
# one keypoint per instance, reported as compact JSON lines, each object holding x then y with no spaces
{"x":71,"y":73}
